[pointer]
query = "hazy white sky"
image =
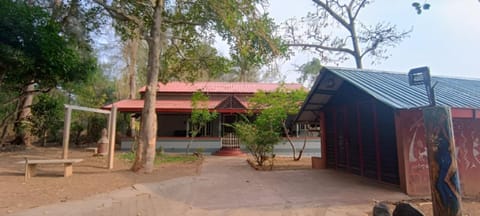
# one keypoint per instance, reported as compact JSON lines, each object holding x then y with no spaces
{"x":445,"y":38}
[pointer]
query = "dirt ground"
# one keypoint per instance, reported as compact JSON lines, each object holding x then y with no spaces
{"x":89,"y":177}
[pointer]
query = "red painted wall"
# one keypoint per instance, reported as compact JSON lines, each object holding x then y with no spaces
{"x":412,"y":153}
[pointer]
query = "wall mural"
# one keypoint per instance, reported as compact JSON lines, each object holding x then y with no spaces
{"x":467,"y":142}
{"x":417,"y":154}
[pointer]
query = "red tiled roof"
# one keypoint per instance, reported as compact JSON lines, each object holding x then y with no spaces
{"x":160,"y":105}
{"x":220,"y":87}
{"x":167,"y":105}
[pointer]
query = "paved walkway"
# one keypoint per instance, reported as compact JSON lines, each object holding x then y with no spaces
{"x":227,"y":186}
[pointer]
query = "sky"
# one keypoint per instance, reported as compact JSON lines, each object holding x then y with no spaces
{"x":445,"y":38}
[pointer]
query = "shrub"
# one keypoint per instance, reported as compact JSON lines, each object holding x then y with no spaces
{"x":258,"y":141}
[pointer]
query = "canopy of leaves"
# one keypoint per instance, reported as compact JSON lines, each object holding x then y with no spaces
{"x":34,"y":49}
{"x":275,"y":107}
{"x":48,"y":114}
{"x":309,"y":72}
{"x":190,"y":29}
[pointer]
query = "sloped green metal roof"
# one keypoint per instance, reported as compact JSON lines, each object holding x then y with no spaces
{"x":390,"y":88}
{"x":393,"y":89}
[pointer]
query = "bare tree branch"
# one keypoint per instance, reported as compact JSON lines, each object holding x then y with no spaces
{"x":318,"y":46}
{"x":318,"y":36}
{"x":119,"y":14}
{"x":360,"y":6}
{"x":332,"y":13}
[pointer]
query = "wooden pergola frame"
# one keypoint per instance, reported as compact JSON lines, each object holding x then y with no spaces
{"x":112,"y":122}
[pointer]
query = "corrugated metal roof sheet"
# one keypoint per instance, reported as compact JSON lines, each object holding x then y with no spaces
{"x":220,"y":87}
{"x":390,"y":88}
{"x":393,"y":88}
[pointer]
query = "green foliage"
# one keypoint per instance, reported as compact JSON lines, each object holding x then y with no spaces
{"x":265,"y":131}
{"x":277,"y":105}
{"x":95,"y":91}
{"x":191,"y":26}
{"x":309,"y":71}
{"x":48,"y":115}
{"x":200,"y":115}
{"x":38,"y":48}
{"x":174,"y":158}
{"x":259,"y":139}
{"x":162,"y":158}
{"x":198,"y":61}
{"x":33,"y":48}
{"x":95,"y":125}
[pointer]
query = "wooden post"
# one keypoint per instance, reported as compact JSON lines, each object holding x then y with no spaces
{"x":444,"y":178}
{"x":219,"y":124}
{"x":111,"y":138}
{"x":323,"y":137}
{"x":66,"y":131}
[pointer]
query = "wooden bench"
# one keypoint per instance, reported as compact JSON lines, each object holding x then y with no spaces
{"x":31,"y":165}
{"x":92,"y":149}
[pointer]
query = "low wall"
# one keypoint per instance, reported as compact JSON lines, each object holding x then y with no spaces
{"x":175,"y":144}
{"x":212,"y":144}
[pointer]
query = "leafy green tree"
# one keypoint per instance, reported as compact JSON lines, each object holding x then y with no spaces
{"x":357,"y":41}
{"x":309,"y":72}
{"x":36,"y":55}
{"x":275,"y":107}
{"x":95,"y":91}
{"x":47,"y":115}
{"x":175,"y":28}
{"x":200,"y":116}
{"x":259,"y":137}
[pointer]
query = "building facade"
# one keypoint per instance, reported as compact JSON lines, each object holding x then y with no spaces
{"x":228,"y":99}
{"x":372,"y":125}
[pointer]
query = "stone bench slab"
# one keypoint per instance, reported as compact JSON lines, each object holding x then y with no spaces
{"x":30,"y":165}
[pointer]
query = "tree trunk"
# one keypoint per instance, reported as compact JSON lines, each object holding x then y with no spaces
{"x":4,"y":125}
{"x":132,"y":48}
{"x":148,"y":129}
{"x":45,"y":134}
{"x":294,"y":151}
{"x":189,"y":144}
{"x":356,"y":47}
{"x":22,"y":127}
{"x":300,"y":153}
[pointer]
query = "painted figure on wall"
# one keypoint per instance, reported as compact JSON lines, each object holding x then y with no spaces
{"x":476,"y":148}
{"x":417,"y":154}
{"x":467,"y":144}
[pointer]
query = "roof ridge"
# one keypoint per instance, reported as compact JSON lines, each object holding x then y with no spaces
{"x":399,"y":73}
